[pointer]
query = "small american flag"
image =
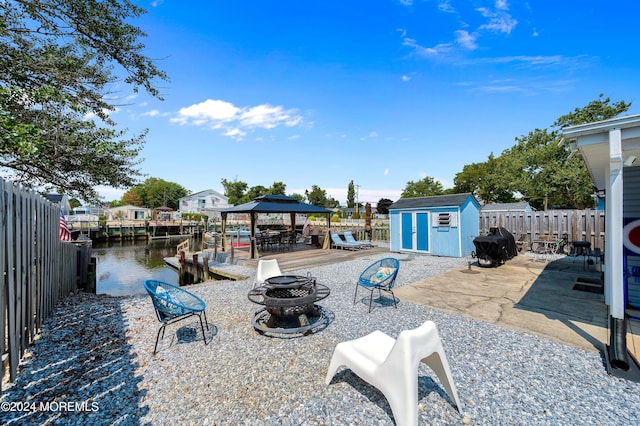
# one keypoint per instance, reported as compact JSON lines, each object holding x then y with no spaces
{"x":65,"y":234}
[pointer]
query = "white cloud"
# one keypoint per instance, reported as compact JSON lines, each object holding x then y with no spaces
{"x":426,"y":51}
{"x":154,"y":113}
{"x":373,"y":134}
{"x":499,"y":20}
{"x":466,"y":40}
{"x":445,"y":6}
{"x":406,"y":78}
{"x":386,"y":171}
{"x":236,"y":121}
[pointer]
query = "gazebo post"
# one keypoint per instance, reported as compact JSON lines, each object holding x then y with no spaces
{"x":223,"y":229}
{"x":253,"y":248}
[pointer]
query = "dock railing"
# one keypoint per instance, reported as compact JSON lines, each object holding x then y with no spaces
{"x":36,"y":268}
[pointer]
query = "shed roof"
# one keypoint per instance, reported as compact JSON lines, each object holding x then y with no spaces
{"x":453,"y":200}
{"x":276,"y":204}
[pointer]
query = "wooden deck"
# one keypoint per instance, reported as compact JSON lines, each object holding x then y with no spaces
{"x":306,"y":256}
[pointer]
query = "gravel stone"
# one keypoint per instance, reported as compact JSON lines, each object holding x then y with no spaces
{"x":95,"y":351}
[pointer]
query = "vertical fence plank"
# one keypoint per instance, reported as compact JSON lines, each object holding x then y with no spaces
{"x":11,"y":283}
{"x":586,"y":225}
{"x":37,"y":269}
{"x":3,"y":278}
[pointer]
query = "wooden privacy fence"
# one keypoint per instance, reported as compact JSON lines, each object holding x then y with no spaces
{"x":37,"y":269}
{"x":580,"y":225}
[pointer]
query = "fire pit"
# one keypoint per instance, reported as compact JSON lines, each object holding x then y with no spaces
{"x":289,"y":305}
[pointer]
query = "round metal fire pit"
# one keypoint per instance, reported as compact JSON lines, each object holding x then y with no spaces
{"x":289,"y":305}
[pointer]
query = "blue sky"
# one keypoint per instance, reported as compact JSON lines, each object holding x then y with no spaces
{"x":381,"y":92}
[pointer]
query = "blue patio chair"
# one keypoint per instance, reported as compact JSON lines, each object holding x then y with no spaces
{"x":338,"y":243}
{"x":348,"y":236}
{"x":172,"y":304}
{"x":379,"y":275}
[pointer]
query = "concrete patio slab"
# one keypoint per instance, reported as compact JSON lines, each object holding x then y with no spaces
{"x":523,"y":294}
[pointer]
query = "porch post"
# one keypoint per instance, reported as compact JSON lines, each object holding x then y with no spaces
{"x":614,"y":277}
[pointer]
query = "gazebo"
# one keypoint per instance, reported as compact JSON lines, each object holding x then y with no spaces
{"x":270,"y":204}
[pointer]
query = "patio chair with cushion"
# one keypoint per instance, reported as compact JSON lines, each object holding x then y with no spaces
{"x":338,"y":243}
{"x":380,"y":275}
{"x":391,"y":365}
{"x":267,"y":268}
{"x":173,"y":304}
{"x":348,"y":236}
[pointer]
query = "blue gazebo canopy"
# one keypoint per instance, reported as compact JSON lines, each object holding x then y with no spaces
{"x":276,"y":204}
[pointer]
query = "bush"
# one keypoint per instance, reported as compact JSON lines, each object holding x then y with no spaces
{"x":356,"y":215}
{"x":311,"y":218}
{"x":335,"y":218}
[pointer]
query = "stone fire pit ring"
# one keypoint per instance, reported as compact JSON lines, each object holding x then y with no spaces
{"x":289,"y":305}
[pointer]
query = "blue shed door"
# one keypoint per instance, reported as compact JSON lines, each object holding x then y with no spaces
{"x":422,"y":231}
{"x":415,"y":231}
{"x":407,"y":231}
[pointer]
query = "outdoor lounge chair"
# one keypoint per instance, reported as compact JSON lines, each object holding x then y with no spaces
{"x":338,"y":243}
{"x":267,"y":268}
{"x":173,"y":304}
{"x":379,"y":275}
{"x":392,"y":366}
{"x":348,"y":236}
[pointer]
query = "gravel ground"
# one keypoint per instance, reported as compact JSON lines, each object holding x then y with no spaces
{"x":93,"y":364}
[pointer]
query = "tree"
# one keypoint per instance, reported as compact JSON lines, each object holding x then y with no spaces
{"x":256,"y":191}
{"x":489,"y":181}
{"x":156,"y":192}
{"x":132,"y":198}
{"x":317,"y":196}
{"x":298,"y":197}
{"x":74,"y":202}
{"x":383,"y":205}
{"x":423,"y":188}
{"x":351,"y":195}
{"x":541,"y":168}
{"x":58,"y":63}
{"x":235,"y":191}
{"x":277,"y":188}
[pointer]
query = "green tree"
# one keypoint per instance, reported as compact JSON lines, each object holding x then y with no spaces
{"x":298,"y":197}
{"x":156,"y":192}
{"x":490,"y":181}
{"x":277,"y":188}
{"x":541,"y":168}
{"x":59,"y":62}
{"x":256,"y":191}
{"x":235,"y":191}
{"x":74,"y":202}
{"x":351,"y":195}
{"x":317,"y":196}
{"x":422,"y":188}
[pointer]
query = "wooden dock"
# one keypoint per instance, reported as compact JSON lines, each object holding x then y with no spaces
{"x":301,"y":256}
{"x":306,"y":256}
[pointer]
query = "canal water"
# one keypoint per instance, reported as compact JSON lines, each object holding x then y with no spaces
{"x":123,"y":266}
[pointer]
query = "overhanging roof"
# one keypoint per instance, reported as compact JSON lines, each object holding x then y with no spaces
{"x":591,"y":141}
{"x":276,"y":204}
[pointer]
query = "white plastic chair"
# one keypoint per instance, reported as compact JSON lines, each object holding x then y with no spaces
{"x":392,"y":366}
{"x":266,"y":269}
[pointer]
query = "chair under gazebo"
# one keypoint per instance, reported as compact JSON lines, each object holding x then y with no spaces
{"x":270,"y":204}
